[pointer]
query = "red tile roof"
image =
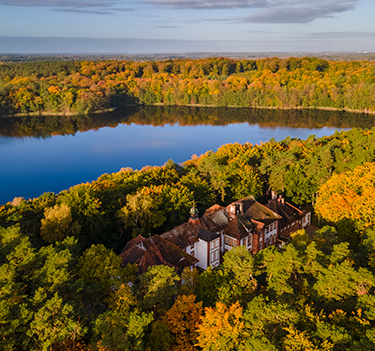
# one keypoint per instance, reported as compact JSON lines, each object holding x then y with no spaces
{"x":287,"y":212}
{"x":183,"y":235}
{"x":155,"y":251}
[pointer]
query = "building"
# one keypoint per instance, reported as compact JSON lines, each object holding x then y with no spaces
{"x":292,"y":218}
{"x":202,"y":242}
{"x":155,"y":251}
{"x":245,"y":222}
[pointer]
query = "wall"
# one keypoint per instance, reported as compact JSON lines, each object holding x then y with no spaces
{"x":201,"y":253}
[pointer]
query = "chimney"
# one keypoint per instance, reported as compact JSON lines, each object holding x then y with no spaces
{"x":232,"y":209}
{"x":239,"y":208}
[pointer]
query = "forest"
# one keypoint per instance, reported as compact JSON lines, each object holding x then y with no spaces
{"x":81,"y":87}
{"x":62,"y":286}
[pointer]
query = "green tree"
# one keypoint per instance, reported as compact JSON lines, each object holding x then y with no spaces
{"x":141,"y":213}
{"x":120,"y":332}
{"x":58,"y":223}
{"x":237,"y":276}
{"x":100,"y":271}
{"x":157,"y":288}
{"x":160,"y":337}
{"x":54,"y":321}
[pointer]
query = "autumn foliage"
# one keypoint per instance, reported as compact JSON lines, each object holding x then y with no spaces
{"x":65,"y":292}
{"x":83,"y":87}
{"x":349,"y":195}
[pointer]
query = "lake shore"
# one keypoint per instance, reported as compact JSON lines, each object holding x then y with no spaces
{"x":111,"y":109}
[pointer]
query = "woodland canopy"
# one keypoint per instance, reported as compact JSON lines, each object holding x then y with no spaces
{"x":62,"y":287}
{"x":81,"y":87}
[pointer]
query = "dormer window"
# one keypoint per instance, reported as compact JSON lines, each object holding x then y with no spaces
{"x":141,"y":246}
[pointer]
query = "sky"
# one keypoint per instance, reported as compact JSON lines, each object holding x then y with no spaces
{"x":183,"y":26}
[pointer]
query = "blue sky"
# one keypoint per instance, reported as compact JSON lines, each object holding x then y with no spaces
{"x":110,"y":26}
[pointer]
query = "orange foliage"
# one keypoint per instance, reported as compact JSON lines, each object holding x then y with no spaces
{"x":349,"y":195}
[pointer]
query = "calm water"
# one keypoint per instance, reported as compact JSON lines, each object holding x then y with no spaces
{"x":35,"y":159}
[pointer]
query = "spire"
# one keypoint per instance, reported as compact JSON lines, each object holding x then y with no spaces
{"x":194,"y":219}
{"x":193,"y":212}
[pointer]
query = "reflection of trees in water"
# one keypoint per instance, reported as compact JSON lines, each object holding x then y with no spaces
{"x":46,"y":126}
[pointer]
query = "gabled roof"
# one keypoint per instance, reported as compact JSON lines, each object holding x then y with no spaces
{"x":246,"y":223}
{"x":235,"y":229}
{"x":183,"y":235}
{"x":155,"y":251}
{"x":252,"y":209}
{"x":287,"y":212}
{"x":213,"y":209}
{"x":219,"y":219}
{"x":215,"y":221}
{"x":206,"y":235}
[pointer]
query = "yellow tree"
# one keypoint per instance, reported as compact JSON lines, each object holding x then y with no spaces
{"x":349,"y":196}
{"x":183,"y":320}
{"x":222,"y":328}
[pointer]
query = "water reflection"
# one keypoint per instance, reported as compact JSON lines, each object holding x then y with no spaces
{"x":47,"y":126}
{"x":51,"y":153}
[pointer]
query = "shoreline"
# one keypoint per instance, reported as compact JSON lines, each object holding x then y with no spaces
{"x":111,"y":109}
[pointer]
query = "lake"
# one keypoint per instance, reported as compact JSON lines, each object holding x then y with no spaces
{"x":52,"y":153}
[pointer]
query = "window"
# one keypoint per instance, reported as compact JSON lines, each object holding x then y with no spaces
{"x":216,"y":255}
{"x":230,"y":241}
{"x":260,"y":246}
{"x":212,"y":256}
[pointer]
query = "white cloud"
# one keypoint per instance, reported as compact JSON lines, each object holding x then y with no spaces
{"x":97,"y":7}
{"x":339,"y":35}
{"x":297,"y":11}
{"x":260,"y":11}
{"x":209,"y":4}
{"x":62,"y":3}
{"x":268,"y":11}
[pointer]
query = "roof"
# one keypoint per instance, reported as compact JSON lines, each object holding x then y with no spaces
{"x":183,"y":235}
{"x":155,"y":251}
{"x":213,"y":209}
{"x":206,"y":235}
{"x":219,"y":219}
{"x":287,"y":212}
{"x":215,"y":221}
{"x":246,"y":223}
{"x":254,"y":210}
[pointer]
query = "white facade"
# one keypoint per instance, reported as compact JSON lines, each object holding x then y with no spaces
{"x":201,"y":254}
{"x":191,"y":249}
{"x":306,"y":220}
{"x":214,"y":257}
{"x":270,"y":235}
